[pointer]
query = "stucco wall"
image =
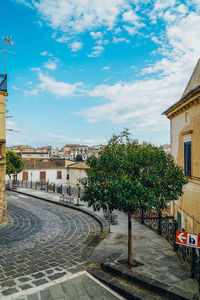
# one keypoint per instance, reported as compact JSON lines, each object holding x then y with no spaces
{"x":51,"y":175}
{"x":75,"y":175}
{"x":187,"y":128}
{"x":3,"y":206}
{"x":35,"y":155}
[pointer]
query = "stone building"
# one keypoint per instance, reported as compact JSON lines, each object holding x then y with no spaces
{"x":51,"y":170}
{"x":184,"y":118}
{"x":3,"y":94}
{"x":75,"y":172}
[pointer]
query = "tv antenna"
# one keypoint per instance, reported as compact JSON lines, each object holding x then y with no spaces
{"x":6,"y":39}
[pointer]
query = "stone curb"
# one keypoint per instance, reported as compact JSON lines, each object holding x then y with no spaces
{"x":101,"y":221}
{"x":151,"y":284}
{"x":115,"y":285}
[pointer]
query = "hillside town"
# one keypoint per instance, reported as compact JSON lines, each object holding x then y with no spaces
{"x":108,"y":206}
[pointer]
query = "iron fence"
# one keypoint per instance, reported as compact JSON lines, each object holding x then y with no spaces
{"x":3,"y":82}
{"x":162,"y":224}
{"x":48,"y":187}
{"x":167,"y":227}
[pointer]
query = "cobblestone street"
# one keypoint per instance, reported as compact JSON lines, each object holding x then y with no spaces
{"x":42,"y":242}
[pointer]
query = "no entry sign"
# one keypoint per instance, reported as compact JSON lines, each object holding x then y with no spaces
{"x":187,"y":239}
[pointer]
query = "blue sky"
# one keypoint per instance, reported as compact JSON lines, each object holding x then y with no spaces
{"x":84,"y":69}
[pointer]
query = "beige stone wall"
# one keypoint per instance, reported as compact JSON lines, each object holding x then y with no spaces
{"x":75,"y":175}
{"x":186,"y":127}
{"x":3,"y":206}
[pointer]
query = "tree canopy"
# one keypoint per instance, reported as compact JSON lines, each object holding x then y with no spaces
{"x":128,"y":175}
{"x":13,"y":163}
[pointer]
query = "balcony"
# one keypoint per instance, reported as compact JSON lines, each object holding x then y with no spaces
{"x":3,"y":83}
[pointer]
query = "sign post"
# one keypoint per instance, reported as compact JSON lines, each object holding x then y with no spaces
{"x":187,"y":239}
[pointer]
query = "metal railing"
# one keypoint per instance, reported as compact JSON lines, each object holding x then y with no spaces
{"x":167,"y":227}
{"x":3,"y":83}
{"x":48,"y":187}
{"x":161,"y":223}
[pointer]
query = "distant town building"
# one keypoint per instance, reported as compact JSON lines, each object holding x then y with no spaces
{"x":34,"y":154}
{"x":44,"y":170}
{"x":75,"y":172}
{"x":184,"y":118}
{"x":19,"y":148}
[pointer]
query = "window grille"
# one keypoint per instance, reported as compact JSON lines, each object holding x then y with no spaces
{"x":3,"y":83}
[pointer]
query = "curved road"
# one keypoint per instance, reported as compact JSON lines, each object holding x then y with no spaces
{"x":40,"y":236}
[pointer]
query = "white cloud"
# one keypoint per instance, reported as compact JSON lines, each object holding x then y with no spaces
{"x":75,"y":46}
{"x":96,"y":35}
{"x":60,"y":138}
{"x":130,"y":16}
{"x":33,"y":92}
{"x":14,"y":87}
{"x":77,"y":15}
{"x":63,"y":39}
{"x":119,"y":40}
{"x":117,"y":30}
{"x":141,"y":103}
{"x":130,"y":30}
{"x":12,"y":126}
{"x":50,"y":65}
{"x":97,"y":50}
{"x":25,"y":2}
{"x":46,"y":53}
{"x":69,"y":18}
{"x":57,"y":88}
{"x":106,"y":68}
{"x":50,"y":85}
{"x":35,"y":69}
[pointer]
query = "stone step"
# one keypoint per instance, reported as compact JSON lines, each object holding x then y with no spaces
{"x":126,"y":289}
{"x":148,"y":284}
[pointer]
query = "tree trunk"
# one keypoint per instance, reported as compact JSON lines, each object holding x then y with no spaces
{"x":130,"y":252}
{"x":10,"y":183}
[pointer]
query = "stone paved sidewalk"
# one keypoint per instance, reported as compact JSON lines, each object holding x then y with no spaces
{"x":80,"y":286}
{"x":42,"y":242}
{"x":154,"y":252}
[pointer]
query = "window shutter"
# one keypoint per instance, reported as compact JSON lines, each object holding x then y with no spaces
{"x":179,"y":220}
{"x":187,"y":158}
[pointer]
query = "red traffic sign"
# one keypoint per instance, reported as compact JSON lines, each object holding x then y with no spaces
{"x":187,"y":239}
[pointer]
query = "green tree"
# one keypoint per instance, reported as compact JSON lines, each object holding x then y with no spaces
{"x":13,"y":163}
{"x":128,"y":176}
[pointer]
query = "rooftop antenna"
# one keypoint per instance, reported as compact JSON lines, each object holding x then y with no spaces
{"x":6,"y":39}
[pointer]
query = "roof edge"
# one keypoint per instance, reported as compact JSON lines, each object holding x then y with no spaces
{"x":182,"y":100}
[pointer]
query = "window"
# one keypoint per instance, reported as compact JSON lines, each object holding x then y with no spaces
{"x":42,"y":176}
{"x":187,"y":158}
{"x":179,"y":220}
{"x":59,"y":174}
{"x":0,"y":151}
{"x":25,"y":176}
{"x":67,"y":176}
{"x":186,"y":117}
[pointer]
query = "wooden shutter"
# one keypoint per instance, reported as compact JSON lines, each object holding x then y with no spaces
{"x":59,"y":174}
{"x":179,"y":220}
{"x":25,"y":176}
{"x":42,"y":176}
{"x":187,"y":158}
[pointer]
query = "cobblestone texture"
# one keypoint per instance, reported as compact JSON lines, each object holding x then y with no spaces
{"x":40,"y":237}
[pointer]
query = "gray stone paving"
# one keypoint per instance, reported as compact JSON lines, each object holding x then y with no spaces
{"x":42,"y":237}
{"x":81,"y":286}
{"x":159,"y":260}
